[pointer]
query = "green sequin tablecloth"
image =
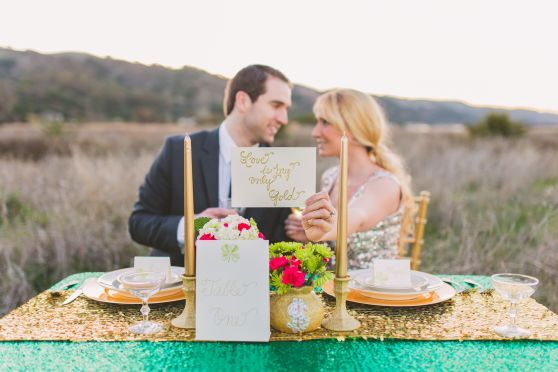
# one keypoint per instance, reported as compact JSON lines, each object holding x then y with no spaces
{"x":316,"y":355}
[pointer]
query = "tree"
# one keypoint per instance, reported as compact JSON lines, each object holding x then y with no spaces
{"x":497,"y":124}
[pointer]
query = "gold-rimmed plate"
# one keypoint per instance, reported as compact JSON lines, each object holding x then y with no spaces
{"x":441,"y":294}
{"x":94,"y":291}
{"x":110,"y":281}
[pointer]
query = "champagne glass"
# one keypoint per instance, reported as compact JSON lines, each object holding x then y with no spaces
{"x":513,"y":288}
{"x":143,"y":285}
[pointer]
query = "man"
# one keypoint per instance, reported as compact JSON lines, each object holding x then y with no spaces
{"x":255,"y":106}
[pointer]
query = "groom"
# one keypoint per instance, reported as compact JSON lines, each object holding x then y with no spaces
{"x":255,"y":106}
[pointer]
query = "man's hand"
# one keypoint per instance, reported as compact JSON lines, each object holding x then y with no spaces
{"x":216,"y":212}
{"x":294,"y":229}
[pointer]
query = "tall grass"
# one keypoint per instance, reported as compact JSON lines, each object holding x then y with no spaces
{"x":494,"y":203}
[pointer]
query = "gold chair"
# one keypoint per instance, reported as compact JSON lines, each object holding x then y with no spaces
{"x":413,"y":235}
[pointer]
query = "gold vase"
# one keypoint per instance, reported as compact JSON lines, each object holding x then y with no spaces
{"x":299,"y":310}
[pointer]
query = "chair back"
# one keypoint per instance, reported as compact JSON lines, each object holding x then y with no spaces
{"x":411,"y":239}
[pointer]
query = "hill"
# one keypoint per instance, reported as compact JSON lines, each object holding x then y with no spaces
{"x":82,"y":87}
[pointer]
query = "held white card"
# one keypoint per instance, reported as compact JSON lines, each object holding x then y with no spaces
{"x":232,"y":290}
{"x":392,"y":273}
{"x":272,"y":176}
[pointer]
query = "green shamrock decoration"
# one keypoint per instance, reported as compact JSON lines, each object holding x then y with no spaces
{"x":230,"y":254}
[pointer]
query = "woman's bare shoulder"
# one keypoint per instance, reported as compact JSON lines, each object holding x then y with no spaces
{"x":381,"y":198}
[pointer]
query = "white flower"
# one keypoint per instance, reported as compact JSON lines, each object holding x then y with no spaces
{"x":227,"y":228}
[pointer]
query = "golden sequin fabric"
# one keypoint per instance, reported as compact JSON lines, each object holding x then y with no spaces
{"x":465,"y":317}
{"x":379,"y":241}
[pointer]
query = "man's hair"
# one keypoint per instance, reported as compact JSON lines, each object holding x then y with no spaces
{"x":251,"y":80}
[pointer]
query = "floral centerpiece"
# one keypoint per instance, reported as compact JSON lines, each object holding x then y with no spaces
{"x":293,"y":265}
{"x":232,"y":227}
{"x":295,"y":271}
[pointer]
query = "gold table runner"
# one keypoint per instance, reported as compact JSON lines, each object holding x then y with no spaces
{"x":467,"y":316}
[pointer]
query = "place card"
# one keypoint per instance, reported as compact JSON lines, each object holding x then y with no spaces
{"x":272,"y":176}
{"x":392,"y":272}
{"x":159,"y":264}
{"x":232,"y":290}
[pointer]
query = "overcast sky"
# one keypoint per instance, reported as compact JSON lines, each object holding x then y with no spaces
{"x":488,"y":52}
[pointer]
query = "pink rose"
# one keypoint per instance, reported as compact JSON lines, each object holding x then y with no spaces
{"x":243,"y":226}
{"x":277,"y":262}
{"x":295,"y":262}
{"x":226,"y":224}
{"x":207,"y":237}
{"x":293,"y":276}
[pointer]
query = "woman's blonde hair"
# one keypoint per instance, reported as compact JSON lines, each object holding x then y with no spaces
{"x":358,"y":113}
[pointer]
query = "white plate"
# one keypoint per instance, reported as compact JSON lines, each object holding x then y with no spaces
{"x":110,"y":280}
{"x":93,"y":290}
{"x":393,"y":294}
{"x":442,"y":293}
{"x":418,"y":283}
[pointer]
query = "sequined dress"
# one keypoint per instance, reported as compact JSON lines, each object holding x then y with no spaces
{"x":379,"y":241}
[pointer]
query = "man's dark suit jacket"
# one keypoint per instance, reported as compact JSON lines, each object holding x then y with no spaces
{"x":156,"y":215}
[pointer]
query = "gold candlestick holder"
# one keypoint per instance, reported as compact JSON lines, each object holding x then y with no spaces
{"x":341,"y":320}
{"x":188,"y":317}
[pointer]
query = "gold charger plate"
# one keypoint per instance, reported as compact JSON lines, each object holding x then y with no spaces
{"x":443,"y":293}
{"x":96,"y":292}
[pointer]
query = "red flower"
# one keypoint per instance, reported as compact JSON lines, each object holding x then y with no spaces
{"x":226,"y":224}
{"x":261,"y":236}
{"x":277,"y":262}
{"x":293,"y":276}
{"x":326,"y":260}
{"x":295,"y":262}
{"x":243,"y":226}
{"x":207,"y":237}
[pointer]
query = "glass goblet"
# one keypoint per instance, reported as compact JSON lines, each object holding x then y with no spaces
{"x":143,"y":285}
{"x":513,"y":288}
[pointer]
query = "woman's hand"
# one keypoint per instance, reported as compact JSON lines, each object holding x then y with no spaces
{"x":294,"y":229}
{"x":319,"y":218}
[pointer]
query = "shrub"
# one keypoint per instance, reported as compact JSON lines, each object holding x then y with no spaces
{"x":497,"y":124}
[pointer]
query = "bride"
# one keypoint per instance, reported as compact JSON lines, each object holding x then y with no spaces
{"x":379,"y":191}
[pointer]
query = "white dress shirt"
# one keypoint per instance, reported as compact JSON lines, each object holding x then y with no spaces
{"x":226,"y":145}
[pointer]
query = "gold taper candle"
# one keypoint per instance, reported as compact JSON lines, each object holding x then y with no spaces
{"x":341,"y":246}
{"x":340,"y":319}
{"x":189,"y":234}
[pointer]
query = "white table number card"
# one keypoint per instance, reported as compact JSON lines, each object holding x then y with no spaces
{"x":392,"y":273}
{"x":232,"y":290}
{"x":272,"y":176}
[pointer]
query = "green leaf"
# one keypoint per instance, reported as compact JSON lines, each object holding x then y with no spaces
{"x":323,"y":279}
{"x":283,"y":248}
{"x":312,"y":264}
{"x":198,"y":224}
{"x":275,"y":280}
{"x":323,"y":250}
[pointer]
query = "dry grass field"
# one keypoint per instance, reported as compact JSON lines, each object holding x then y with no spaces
{"x":66,"y":194}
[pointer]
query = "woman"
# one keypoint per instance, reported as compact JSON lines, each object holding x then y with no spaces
{"x":379,"y":190}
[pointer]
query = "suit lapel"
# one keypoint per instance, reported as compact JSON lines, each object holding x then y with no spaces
{"x":210,"y":167}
